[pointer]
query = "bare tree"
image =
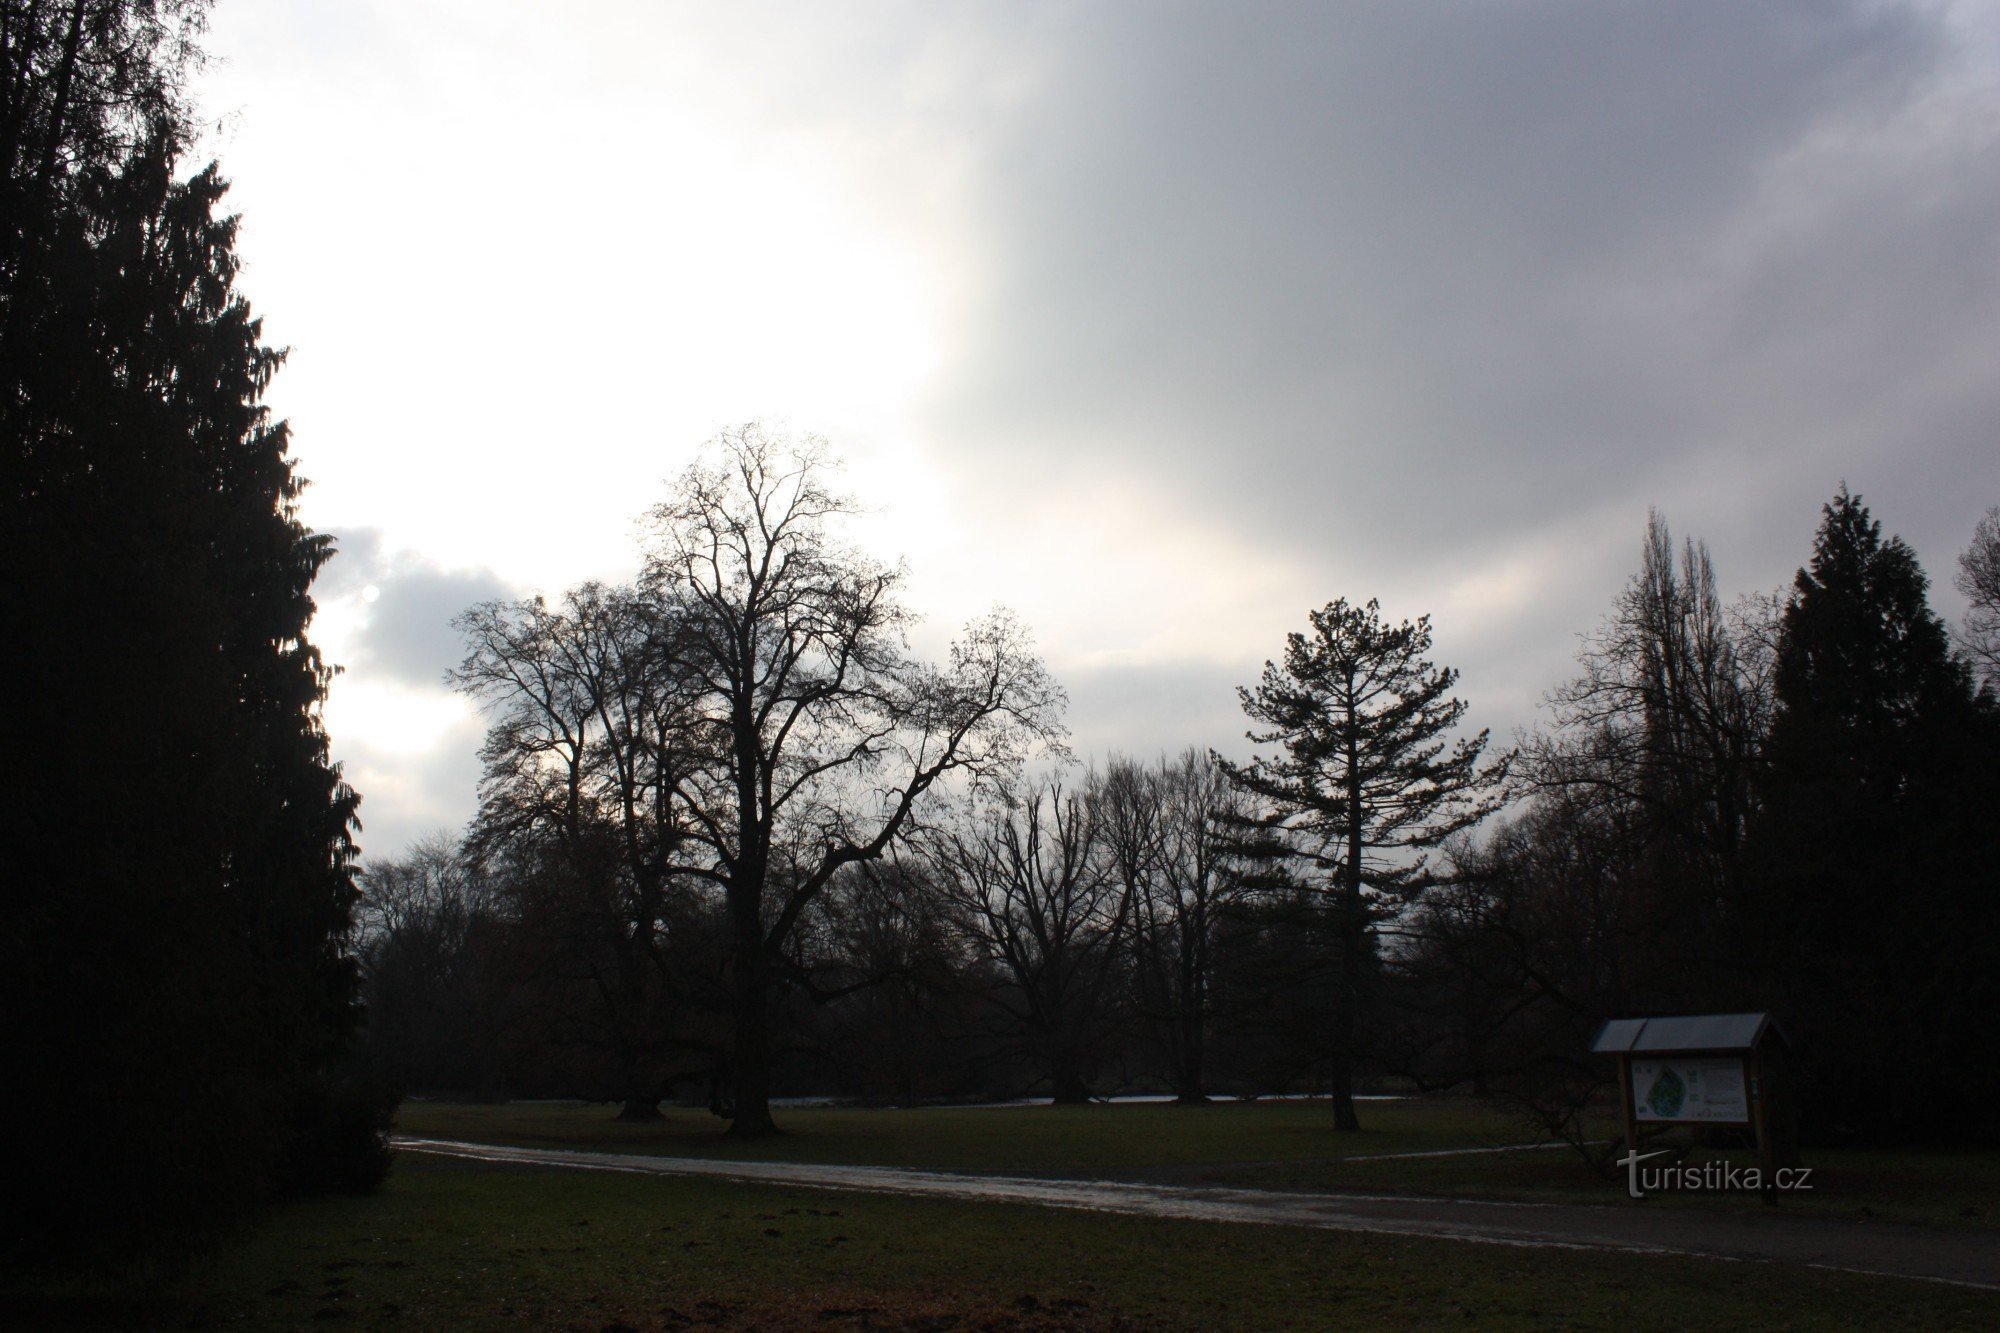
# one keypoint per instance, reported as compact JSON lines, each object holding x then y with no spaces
{"x":1041,"y":907}
{"x":1166,"y":831}
{"x":1672,"y":704}
{"x":591,"y":734}
{"x":1979,"y":579}
{"x":425,"y":936}
{"x":822,"y":734}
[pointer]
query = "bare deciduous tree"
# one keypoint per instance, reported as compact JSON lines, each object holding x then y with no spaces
{"x":590,"y":738}
{"x":1979,"y":579}
{"x":1166,"y":833}
{"x":823,"y":734}
{"x":1672,"y":704}
{"x":1035,"y":897}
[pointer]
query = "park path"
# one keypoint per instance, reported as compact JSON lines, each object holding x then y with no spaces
{"x":1964,"y":1258}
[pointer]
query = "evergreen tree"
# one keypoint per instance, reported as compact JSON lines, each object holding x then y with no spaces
{"x":1364,"y":781}
{"x":177,"y":841}
{"x":1875,"y":840}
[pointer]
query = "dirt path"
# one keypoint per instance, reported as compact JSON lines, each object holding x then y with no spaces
{"x":1963,"y":1258}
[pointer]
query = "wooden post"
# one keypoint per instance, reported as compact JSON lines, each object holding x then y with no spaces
{"x":1625,"y":1097}
{"x":1767,"y":1156}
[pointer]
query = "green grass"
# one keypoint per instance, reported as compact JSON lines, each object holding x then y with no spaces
{"x":1272,"y":1144}
{"x":1055,"y":1139}
{"x":451,"y":1246}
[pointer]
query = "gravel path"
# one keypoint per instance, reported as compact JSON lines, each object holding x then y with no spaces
{"x":1964,"y":1258}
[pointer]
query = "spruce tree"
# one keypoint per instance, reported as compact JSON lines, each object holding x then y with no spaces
{"x":177,"y":842}
{"x":1365,"y":779}
{"x":1874,"y":844}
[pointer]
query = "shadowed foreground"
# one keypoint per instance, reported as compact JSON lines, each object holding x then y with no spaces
{"x":1873,"y":1249}
{"x":454,"y":1243}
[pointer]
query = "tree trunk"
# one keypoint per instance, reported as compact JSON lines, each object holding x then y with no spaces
{"x":1344,"y":1118}
{"x":1066,"y":1078}
{"x":1191,"y":1089}
{"x":1352,"y":925}
{"x":1345,"y":993}
{"x":752,"y":1062}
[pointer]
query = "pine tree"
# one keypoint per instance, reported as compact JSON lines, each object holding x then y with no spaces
{"x":1365,"y":780}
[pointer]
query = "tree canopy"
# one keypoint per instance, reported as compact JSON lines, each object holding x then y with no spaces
{"x":746,"y":718}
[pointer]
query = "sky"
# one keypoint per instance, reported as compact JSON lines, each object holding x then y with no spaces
{"x":1160,"y":324}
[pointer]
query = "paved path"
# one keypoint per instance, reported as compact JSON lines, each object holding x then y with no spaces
{"x":1961,"y":1257}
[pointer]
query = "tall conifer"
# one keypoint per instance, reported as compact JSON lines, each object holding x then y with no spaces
{"x":1365,"y":779}
{"x":177,"y":842}
{"x":1875,"y":874}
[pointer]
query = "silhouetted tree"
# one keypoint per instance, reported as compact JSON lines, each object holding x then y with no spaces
{"x":824,"y":733}
{"x":1979,"y":579}
{"x":1365,"y":780}
{"x":177,"y":842}
{"x":1671,"y":708}
{"x":431,"y":939}
{"x":898,"y":988}
{"x":1878,"y":893}
{"x":593,"y":732}
{"x":1167,"y":832}
{"x":1039,"y":903}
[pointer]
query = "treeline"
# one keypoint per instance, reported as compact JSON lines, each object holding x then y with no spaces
{"x":1785,"y":804}
{"x":1038,"y":937}
{"x":1788,"y":804}
{"x":177,"y":880}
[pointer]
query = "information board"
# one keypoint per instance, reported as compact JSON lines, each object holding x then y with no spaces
{"x":1685,"y":1090}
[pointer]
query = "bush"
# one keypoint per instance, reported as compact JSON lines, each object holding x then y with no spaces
{"x":340,"y":1137}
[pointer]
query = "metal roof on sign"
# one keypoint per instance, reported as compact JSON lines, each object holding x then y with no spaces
{"x":1688,"y":1032}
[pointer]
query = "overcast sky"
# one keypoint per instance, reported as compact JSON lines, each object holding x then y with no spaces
{"x":1160,"y":324}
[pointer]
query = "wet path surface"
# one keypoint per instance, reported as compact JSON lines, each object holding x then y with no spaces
{"x":1967,"y":1258}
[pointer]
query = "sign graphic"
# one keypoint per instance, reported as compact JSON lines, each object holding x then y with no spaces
{"x":1690,"y":1091}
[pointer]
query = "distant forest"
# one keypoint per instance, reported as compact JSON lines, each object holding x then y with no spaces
{"x":734,"y":844}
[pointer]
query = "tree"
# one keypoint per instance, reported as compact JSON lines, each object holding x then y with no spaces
{"x":178,"y":844}
{"x":1979,"y":579}
{"x":1365,"y":780}
{"x":430,"y":938}
{"x":1675,"y":699}
{"x":1166,"y":831}
{"x":593,"y":732}
{"x":1875,"y":843}
{"x":1657,"y":743}
{"x":1033,"y":894}
{"x":823,"y":735}
{"x":85,"y":86}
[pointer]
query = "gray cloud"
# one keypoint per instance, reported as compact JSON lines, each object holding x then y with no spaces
{"x":1392,"y":289}
{"x":1426,"y":271}
{"x":407,"y":634}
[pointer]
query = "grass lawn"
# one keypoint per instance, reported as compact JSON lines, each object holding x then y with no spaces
{"x":1057,"y":1139}
{"x":450,"y":1245}
{"x":1928,"y":1187}
{"x":1276,"y":1144}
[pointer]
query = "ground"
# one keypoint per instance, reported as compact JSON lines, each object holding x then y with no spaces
{"x":456,"y":1244}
